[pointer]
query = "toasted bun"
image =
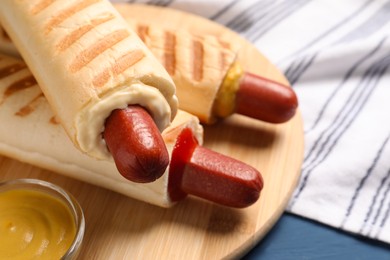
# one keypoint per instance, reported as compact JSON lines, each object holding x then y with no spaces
{"x":197,"y":64}
{"x":32,"y":134}
{"x":88,"y":62}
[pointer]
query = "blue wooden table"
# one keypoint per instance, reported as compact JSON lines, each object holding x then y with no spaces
{"x":294,"y":237}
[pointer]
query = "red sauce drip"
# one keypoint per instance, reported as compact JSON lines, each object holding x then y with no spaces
{"x":181,"y":155}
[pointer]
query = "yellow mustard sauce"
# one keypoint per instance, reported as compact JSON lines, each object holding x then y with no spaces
{"x":225,"y":100}
{"x":34,"y":225}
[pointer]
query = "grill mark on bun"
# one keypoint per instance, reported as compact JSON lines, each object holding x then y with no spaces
{"x":11,"y":69}
{"x":76,"y":34}
{"x":224,"y":63}
{"x":170,"y":52}
{"x":17,"y":86}
{"x":98,"y":47}
{"x":143,"y":32}
{"x":223,"y":60}
{"x":64,"y":14}
{"x":40,"y":6}
{"x":30,"y":107}
{"x":224,"y":44}
{"x":197,"y":60}
{"x":121,"y":64}
{"x":21,"y":84}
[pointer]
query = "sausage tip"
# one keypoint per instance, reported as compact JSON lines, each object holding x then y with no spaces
{"x":136,"y":145}
{"x":207,"y":174}
{"x":221,"y":179}
{"x":265,"y":100}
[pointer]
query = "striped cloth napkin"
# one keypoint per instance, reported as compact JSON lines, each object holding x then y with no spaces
{"x":336,"y":54}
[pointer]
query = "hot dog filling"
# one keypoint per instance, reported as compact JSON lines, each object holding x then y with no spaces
{"x":92,"y":118}
{"x":224,"y":104}
{"x":136,"y":144}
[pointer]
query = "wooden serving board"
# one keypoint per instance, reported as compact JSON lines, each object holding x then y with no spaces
{"x":118,"y":227}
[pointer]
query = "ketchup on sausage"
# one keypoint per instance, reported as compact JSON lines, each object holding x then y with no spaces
{"x":212,"y":176}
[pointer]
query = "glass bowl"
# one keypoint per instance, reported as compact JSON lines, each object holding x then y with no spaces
{"x":23,"y":188}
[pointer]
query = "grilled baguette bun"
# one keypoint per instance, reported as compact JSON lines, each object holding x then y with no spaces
{"x":88,"y":62}
{"x":30,"y":133}
{"x":197,"y":64}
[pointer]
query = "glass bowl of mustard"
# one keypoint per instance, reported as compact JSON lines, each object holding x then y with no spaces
{"x":39,"y":220}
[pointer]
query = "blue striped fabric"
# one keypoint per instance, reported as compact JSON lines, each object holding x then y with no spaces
{"x":336,"y":54}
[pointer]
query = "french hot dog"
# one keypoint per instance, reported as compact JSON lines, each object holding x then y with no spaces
{"x":89,"y":63}
{"x":30,"y":133}
{"x":210,"y":81}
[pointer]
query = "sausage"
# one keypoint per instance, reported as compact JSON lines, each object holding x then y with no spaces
{"x":264,"y":99}
{"x":136,"y":145}
{"x":207,"y":174}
